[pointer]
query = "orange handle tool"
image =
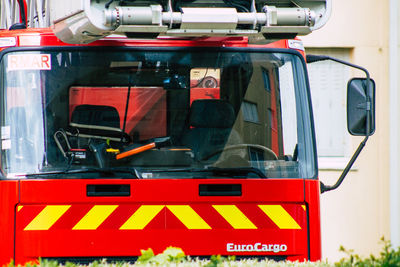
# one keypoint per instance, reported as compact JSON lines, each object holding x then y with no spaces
{"x":136,"y":150}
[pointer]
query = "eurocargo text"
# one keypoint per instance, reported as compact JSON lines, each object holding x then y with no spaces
{"x":257,"y":247}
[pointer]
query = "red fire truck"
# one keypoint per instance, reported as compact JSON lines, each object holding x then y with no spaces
{"x":128,"y":125}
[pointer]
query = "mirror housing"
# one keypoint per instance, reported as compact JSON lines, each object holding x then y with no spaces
{"x":361,"y":107}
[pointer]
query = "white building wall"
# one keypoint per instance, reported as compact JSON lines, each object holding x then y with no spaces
{"x":394,"y":61}
{"x":357,"y":214}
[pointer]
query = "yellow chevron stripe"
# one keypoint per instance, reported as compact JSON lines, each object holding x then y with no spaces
{"x":304,"y":207}
{"x":47,"y":217}
{"x":188,"y":217}
{"x":280,"y":216}
{"x":234,"y":217}
{"x":19,"y":208}
{"x":95,"y":217}
{"x":141,"y":217}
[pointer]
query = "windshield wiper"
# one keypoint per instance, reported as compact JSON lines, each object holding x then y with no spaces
{"x":239,"y":172}
{"x":104,"y":171}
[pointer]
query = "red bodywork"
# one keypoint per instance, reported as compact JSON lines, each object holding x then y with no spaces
{"x":59,"y":218}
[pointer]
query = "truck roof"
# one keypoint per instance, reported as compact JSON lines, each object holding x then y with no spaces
{"x":35,"y":37}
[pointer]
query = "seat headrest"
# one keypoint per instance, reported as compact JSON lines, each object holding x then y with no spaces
{"x":211,"y":113}
{"x":95,"y":116}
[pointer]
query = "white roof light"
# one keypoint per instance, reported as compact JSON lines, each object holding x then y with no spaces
{"x":8,"y":41}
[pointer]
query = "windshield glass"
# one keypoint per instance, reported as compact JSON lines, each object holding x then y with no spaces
{"x":156,"y":114}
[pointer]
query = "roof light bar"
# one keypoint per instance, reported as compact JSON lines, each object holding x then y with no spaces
{"x":208,"y":18}
{"x":94,"y":20}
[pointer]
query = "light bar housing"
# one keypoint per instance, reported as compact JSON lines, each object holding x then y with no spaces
{"x":84,"y":21}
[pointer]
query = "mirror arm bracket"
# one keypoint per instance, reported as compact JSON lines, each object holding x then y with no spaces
{"x":368,"y":108}
{"x":325,"y":188}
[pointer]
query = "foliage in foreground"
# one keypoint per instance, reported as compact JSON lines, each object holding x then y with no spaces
{"x":175,"y":257}
{"x":388,"y":257}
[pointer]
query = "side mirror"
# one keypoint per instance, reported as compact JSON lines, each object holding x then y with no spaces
{"x":360,"y":111}
{"x":361,"y":107}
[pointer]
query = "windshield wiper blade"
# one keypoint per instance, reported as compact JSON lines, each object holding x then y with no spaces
{"x":235,"y":171}
{"x":106,"y":171}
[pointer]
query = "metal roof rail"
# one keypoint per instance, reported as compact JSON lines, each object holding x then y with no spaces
{"x":84,"y":21}
{"x":28,"y":13}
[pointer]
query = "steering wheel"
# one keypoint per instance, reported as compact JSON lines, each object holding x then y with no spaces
{"x":270,"y":153}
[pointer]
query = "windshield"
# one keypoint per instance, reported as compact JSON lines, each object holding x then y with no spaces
{"x":156,"y":114}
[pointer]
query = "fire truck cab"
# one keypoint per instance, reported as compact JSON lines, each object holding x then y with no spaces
{"x":129,"y":125}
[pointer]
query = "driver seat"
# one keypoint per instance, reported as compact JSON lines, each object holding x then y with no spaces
{"x":98,"y":122}
{"x":209,"y":126}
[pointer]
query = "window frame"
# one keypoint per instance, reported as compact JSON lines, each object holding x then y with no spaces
{"x":304,"y":115}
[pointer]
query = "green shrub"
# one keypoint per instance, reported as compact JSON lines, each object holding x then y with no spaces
{"x":170,"y":254}
{"x":175,"y":257}
{"x":388,"y":257}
